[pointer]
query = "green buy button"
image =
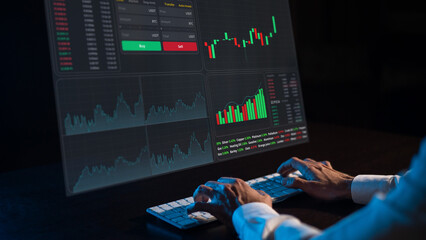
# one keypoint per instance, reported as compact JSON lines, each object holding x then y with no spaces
{"x":141,"y":45}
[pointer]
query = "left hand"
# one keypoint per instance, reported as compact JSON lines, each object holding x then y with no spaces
{"x":226,"y":195}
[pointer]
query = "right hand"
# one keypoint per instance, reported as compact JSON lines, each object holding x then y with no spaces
{"x":319,"y":180}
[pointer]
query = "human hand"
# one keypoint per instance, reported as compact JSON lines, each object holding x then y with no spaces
{"x":226,"y":195}
{"x":320,"y":179}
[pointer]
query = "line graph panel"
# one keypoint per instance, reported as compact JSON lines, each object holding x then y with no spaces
{"x":100,"y":104}
{"x":178,"y":146}
{"x":105,"y":104}
{"x":175,"y":98}
{"x":94,"y":161}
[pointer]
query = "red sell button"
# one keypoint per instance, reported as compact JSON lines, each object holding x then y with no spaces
{"x":180,"y":46}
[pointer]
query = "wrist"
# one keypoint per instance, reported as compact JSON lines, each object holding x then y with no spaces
{"x":348,"y":188}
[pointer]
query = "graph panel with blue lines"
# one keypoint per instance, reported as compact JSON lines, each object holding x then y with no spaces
{"x":94,"y":161}
{"x":173,"y":99}
{"x":112,"y":128}
{"x":187,"y":145}
{"x":96,"y":105}
{"x":103,"y":159}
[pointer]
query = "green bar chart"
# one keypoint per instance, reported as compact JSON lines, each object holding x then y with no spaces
{"x":252,"y":109}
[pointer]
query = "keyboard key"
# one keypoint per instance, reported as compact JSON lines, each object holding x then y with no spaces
{"x":183,"y":202}
{"x":173,"y":204}
{"x":173,"y":215}
{"x":190,"y":199}
{"x":269,"y":192}
{"x":279,"y":189}
{"x":277,"y":180}
{"x":157,"y":209}
{"x":283,"y":193}
{"x":251,"y":182}
{"x":179,"y":219}
{"x":180,"y":209}
{"x":203,"y":218}
{"x":196,"y":214}
{"x":296,"y":174}
{"x":274,"y":195}
{"x":261,"y":179}
{"x":165,"y":207}
{"x":167,"y":213}
{"x":208,"y":215}
{"x":187,"y":222}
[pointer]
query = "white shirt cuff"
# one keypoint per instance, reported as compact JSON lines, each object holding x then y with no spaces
{"x":364,"y":187}
{"x":250,"y":219}
{"x":259,"y":221}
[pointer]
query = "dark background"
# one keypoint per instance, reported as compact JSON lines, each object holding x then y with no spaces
{"x":362,"y":64}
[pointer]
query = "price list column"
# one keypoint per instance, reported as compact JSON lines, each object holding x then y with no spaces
{"x":284,"y":95}
{"x":62,"y":35}
{"x":294,"y":98}
{"x":90,"y":32}
{"x":85,"y":40}
{"x":108,"y":35}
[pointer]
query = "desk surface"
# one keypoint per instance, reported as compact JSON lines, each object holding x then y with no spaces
{"x":33,"y":202}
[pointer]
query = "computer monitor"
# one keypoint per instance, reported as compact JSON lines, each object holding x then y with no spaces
{"x":149,"y":87}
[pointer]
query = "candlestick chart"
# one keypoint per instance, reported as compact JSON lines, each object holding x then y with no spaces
{"x":252,"y":37}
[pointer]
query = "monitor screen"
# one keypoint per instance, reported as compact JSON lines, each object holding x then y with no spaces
{"x":149,"y":87}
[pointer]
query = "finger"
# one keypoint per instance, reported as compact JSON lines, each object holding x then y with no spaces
{"x":203,"y":194}
{"x":228,"y":180}
{"x":291,"y":165}
{"x":224,"y":189}
{"x":309,"y":160}
{"x":296,"y":182}
{"x":285,"y":167}
{"x":327,"y":163}
{"x":201,"y":206}
{"x":217,"y":186}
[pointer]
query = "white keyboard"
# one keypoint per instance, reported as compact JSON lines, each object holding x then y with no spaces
{"x":175,"y":212}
